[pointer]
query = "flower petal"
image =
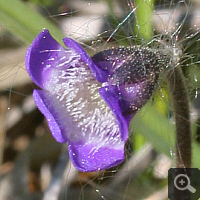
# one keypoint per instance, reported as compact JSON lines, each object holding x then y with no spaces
{"x":45,"y":53}
{"x":133,"y":74}
{"x":133,"y":96}
{"x":71,"y":102}
{"x":111,"y":97}
{"x":86,"y":156}
{"x":41,"y":57}
{"x":100,"y":74}
{"x":91,"y":158}
{"x":128,"y":65}
{"x":109,"y":59}
{"x":43,"y":101}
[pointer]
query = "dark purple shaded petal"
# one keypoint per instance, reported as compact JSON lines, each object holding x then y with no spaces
{"x":128,"y":65}
{"x":126,"y":100}
{"x":109,"y":59}
{"x":90,"y":157}
{"x":133,"y":96}
{"x":133,"y":76}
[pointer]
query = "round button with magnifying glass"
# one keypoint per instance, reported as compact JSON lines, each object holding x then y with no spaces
{"x":182,"y":182}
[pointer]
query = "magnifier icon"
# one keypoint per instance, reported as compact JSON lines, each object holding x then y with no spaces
{"x":182,"y":182}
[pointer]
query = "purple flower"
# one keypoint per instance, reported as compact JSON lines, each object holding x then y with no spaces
{"x":89,"y":102}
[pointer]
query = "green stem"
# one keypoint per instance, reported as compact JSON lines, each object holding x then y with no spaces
{"x":143,"y":19}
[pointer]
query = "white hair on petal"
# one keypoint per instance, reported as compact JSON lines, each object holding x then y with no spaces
{"x":84,"y":114}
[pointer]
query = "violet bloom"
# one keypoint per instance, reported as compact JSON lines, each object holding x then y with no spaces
{"x":89,"y":102}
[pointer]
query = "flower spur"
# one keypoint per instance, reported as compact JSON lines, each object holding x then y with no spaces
{"x":89,"y":102}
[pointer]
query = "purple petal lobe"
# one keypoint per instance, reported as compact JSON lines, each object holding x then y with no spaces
{"x":111,"y":97}
{"x":133,"y":96}
{"x":43,"y":101}
{"x":42,"y":56}
{"x":90,"y":157}
{"x":109,"y":59}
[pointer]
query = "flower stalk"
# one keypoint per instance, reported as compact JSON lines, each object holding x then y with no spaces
{"x":181,"y":110}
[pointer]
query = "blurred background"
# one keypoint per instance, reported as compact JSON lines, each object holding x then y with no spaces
{"x":32,"y":164}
